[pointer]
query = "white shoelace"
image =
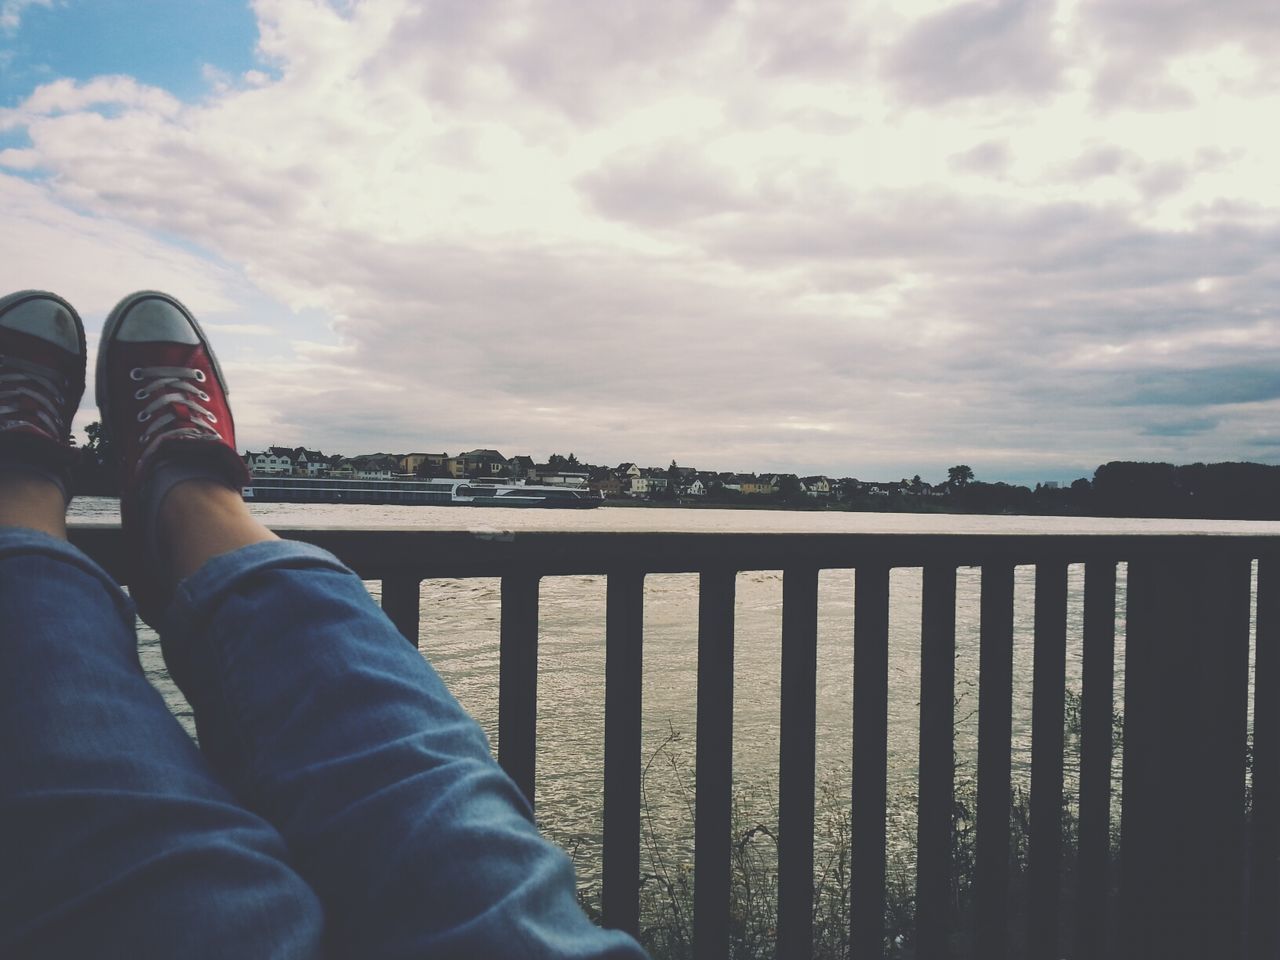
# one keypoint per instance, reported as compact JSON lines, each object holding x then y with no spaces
{"x":22,"y":378}
{"x":172,"y":385}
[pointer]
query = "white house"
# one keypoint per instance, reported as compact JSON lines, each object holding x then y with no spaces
{"x":269,"y":463}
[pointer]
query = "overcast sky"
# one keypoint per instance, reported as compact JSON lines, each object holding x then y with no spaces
{"x":870,"y":239}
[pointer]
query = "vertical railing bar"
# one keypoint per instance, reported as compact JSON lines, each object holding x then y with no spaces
{"x":518,"y":680}
{"x":1220,"y":667}
{"x":624,"y":630}
{"x":714,"y":766}
{"x":995,"y":728}
{"x":1097,"y":716}
{"x":401,"y":604}
{"x":1048,"y":686}
{"x":1139,"y":832}
{"x":937,"y":762}
{"x":796,"y":756}
{"x":870,"y":760}
{"x":1264,"y":867}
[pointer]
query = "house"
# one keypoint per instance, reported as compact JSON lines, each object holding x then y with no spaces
{"x":693,"y":488}
{"x":816,"y":486}
{"x":414,"y":462}
{"x":638,"y":486}
{"x":751,"y":485}
{"x":309,"y":463}
{"x":272,"y":462}
{"x":375,"y":466}
{"x":522,"y":468}
{"x":340,"y":468}
{"x":609,"y":485}
{"x":627,"y":471}
{"x":479,"y":463}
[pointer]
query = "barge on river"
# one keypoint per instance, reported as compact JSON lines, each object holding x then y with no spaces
{"x":443,"y":492}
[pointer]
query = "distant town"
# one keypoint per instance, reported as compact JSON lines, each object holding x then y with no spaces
{"x":624,"y":482}
{"x":1241,"y":491}
{"x":1237,"y":491}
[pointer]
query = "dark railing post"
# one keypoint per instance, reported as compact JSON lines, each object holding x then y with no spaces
{"x":995,"y":729}
{"x":1145,"y":622}
{"x":401,"y":604}
{"x":870,"y":761}
{"x":518,"y":680}
{"x":1097,"y":715}
{"x":623,"y":670}
{"x":937,"y":762}
{"x":1219,"y":751}
{"x":1049,"y":682}
{"x":712,"y":840}
{"x":796,"y":763}
{"x":1264,"y":872}
{"x":1186,"y":686}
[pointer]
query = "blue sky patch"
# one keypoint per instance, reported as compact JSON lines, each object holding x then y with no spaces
{"x":158,"y":42}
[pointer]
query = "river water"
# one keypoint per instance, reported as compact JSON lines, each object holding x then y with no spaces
{"x":459,"y":636}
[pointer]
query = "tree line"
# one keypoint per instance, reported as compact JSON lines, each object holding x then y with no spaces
{"x":1124,"y":488}
{"x":1120,"y":488}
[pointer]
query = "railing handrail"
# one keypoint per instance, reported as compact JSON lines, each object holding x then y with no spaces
{"x":482,"y":551}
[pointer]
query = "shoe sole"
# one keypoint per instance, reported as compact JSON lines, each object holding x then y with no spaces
{"x":22,"y":296}
{"x":109,"y":329}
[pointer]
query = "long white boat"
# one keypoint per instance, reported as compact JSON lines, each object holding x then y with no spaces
{"x":444,"y":492}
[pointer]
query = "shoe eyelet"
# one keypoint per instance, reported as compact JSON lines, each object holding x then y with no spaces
{"x":200,"y":377}
{"x":141,"y":394}
{"x":135,"y":373}
{"x":202,"y":395}
{"x":211,"y":418}
{"x":143,"y":416}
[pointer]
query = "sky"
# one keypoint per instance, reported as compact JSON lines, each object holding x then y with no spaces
{"x":869,"y":239}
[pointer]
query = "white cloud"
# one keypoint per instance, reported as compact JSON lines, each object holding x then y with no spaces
{"x":853,"y":239}
{"x":11,"y":12}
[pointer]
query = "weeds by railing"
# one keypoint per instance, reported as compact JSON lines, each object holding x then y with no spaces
{"x":667,"y":883}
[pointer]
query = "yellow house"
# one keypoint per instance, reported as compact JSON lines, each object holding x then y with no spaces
{"x":757,"y":485}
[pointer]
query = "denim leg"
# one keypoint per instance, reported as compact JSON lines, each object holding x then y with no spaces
{"x":116,"y":839}
{"x":312,"y":705}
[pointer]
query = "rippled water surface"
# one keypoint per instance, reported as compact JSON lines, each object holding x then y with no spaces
{"x":459,"y":636}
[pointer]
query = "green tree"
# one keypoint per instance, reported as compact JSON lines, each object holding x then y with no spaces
{"x":959,"y":476}
{"x":95,"y":469}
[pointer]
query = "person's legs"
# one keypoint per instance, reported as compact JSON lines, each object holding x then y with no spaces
{"x":312,"y":706}
{"x":116,"y":839}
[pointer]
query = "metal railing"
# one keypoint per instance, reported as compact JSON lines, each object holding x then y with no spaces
{"x":1197,"y":880}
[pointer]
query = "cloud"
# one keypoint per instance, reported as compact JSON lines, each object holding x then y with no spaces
{"x":11,"y":12}
{"x":978,"y":49}
{"x":707,"y":231}
{"x":1155,"y":53}
{"x":991,"y":158}
{"x":1180,"y":428}
{"x":671,"y":184}
{"x":1207,"y":387}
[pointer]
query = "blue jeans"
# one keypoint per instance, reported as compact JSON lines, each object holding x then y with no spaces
{"x":341,"y":802}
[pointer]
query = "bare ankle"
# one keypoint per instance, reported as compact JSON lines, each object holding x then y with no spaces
{"x":32,"y":501}
{"x":202,"y":519}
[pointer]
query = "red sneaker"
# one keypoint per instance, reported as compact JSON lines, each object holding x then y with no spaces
{"x":160,"y":389}
{"x":42,"y":361}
